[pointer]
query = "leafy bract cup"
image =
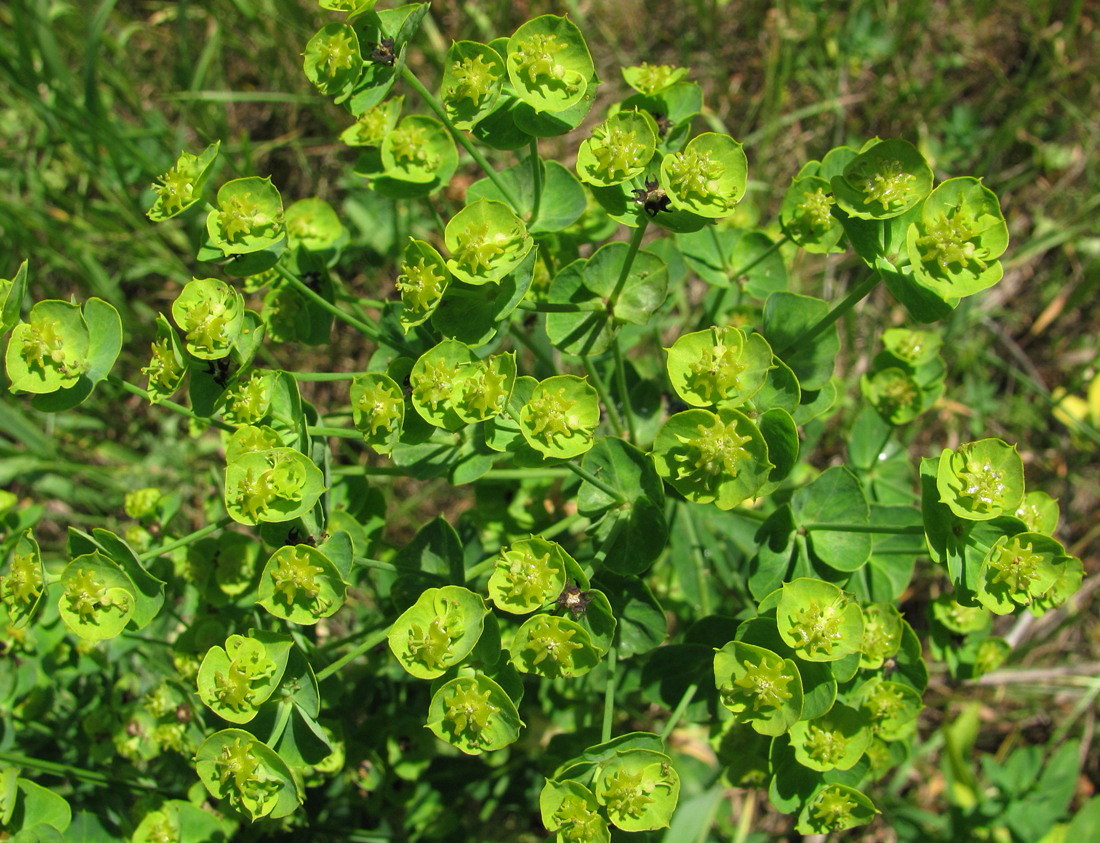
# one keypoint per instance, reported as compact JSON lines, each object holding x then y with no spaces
{"x":718,"y":366}
{"x":276,"y":485}
{"x":619,"y":149}
{"x":373,"y":124}
{"x":570,"y":809}
{"x":438,"y":631}
{"x":472,"y":80}
{"x":248,"y":774}
{"x":211,"y":315}
{"x":548,"y":63}
{"x":1019,"y":570}
{"x":651,"y":79}
{"x":313,"y":225}
{"x":486,"y":241}
{"x":474,"y":714}
{"x":248,"y":217}
{"x":167,"y":364}
{"x":639,"y":789}
{"x":422,"y":280}
{"x":954,"y":246}
{"x":818,"y":620}
{"x":835,"y":807}
{"x":559,"y":418}
{"x":378,"y":410}
{"x":760,"y":687}
{"x":708,"y":177}
{"x":885,"y":180}
{"x":482,"y":388}
{"x":433,"y":380}
{"x":332,"y":61}
{"x":181,"y":187}
{"x":248,"y":400}
{"x":235,"y":680}
{"x":834,"y":741}
{"x":301,"y":584}
{"x":22,"y":586}
{"x":419,"y":150}
{"x":719,"y":458}
{"x":49,"y":351}
{"x":981,"y":480}
{"x":807,"y":215}
{"x":528,"y":575}
{"x":97,"y":598}
{"x":551,"y":646}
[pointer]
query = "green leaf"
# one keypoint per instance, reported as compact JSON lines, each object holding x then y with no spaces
{"x":835,"y":497}
{"x":786,"y":317}
{"x":632,"y":531}
{"x":11,"y":298}
{"x":561,"y":201}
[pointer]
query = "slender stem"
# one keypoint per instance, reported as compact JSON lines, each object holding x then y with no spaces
{"x":335,"y":432}
{"x":524,"y":473}
{"x":585,"y":474}
{"x":185,"y":540}
{"x":67,"y":770}
{"x":604,"y":396}
{"x":624,"y":394}
{"x":521,"y":336}
{"x":536,"y":178}
{"x":363,"y":328}
{"x":632,"y":252}
{"x":178,"y":409}
{"x":370,"y":643}
{"x":376,"y":564}
{"x":560,"y":526}
{"x":720,"y":298}
{"x":700,"y":561}
{"x":368,"y":471}
{"x":681,"y":707}
{"x":594,"y":306}
{"x":608,"y":697}
{"x":858,"y":293}
{"x":323,"y":377}
{"x":475,"y":153}
{"x":912,"y":530}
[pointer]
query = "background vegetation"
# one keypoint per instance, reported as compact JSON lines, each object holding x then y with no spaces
{"x":96,"y":99}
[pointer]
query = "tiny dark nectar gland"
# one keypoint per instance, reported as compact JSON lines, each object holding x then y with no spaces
{"x":652,"y":198}
{"x":573,"y":600}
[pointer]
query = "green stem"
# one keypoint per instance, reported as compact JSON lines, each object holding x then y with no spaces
{"x":363,"y":328}
{"x":608,"y":697}
{"x":585,"y":474}
{"x":434,"y":105}
{"x":186,"y":540}
{"x":368,"y":471}
{"x":67,"y":771}
{"x":858,"y":293}
{"x":524,"y":473}
{"x":178,"y":409}
{"x":335,"y":432}
{"x":282,"y":717}
{"x":604,"y":396}
{"x":595,"y":306}
{"x":323,"y":377}
{"x":632,"y":252}
{"x":681,"y":707}
{"x":536,"y":179}
{"x":376,"y":564}
{"x":372,"y":641}
{"x":913,"y":530}
{"x":521,"y":336}
{"x":720,"y":298}
{"x":700,"y":561}
{"x":620,"y":384}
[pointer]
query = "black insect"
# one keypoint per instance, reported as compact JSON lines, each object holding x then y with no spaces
{"x":572,"y":599}
{"x":663,"y":123}
{"x":652,"y":198}
{"x":384,"y":53}
{"x":219,"y":370}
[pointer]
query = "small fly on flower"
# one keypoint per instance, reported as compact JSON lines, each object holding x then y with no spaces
{"x":652,"y":198}
{"x":573,"y":600}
